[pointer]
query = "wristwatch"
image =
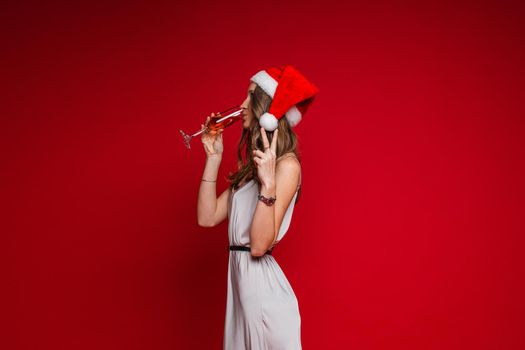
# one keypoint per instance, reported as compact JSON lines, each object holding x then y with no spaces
{"x":268,"y":201}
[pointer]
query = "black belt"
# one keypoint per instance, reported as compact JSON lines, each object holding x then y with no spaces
{"x":247,"y":249}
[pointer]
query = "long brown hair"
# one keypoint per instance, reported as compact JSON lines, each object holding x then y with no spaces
{"x":251,"y":139}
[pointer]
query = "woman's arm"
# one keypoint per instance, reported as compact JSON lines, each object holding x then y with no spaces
{"x":211,"y":210}
{"x":267,"y":220}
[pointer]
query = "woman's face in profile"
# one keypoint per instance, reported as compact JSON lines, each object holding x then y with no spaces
{"x":247,"y":113}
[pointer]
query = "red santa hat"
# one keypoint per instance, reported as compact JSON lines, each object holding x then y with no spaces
{"x":291,"y":95}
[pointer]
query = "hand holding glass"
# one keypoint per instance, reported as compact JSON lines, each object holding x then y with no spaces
{"x":231,"y":115}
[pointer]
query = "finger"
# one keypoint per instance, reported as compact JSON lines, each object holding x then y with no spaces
{"x":257,"y":160}
{"x":274,"y":141}
{"x":258,"y":153}
{"x":265,"y":138}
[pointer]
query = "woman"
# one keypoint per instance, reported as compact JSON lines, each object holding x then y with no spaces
{"x":262,"y":311}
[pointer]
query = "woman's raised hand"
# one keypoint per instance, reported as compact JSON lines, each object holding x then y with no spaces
{"x":266,"y":160}
{"x":212,"y":140}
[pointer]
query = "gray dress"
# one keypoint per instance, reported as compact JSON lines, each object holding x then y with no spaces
{"x":262,"y":312}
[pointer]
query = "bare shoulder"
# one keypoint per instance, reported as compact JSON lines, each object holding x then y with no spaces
{"x":288,"y":164}
{"x":288,"y":157}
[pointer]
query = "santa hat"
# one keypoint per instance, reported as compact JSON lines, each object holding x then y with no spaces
{"x":291,"y":95}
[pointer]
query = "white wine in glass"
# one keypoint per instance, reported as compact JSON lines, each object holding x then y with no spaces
{"x":220,"y":121}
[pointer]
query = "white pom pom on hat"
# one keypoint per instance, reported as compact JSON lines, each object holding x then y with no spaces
{"x":291,"y":93}
{"x":268,"y":121}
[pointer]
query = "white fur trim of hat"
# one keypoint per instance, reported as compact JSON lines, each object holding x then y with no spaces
{"x":265,"y":82}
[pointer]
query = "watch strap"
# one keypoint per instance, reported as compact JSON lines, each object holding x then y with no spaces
{"x":266,"y":200}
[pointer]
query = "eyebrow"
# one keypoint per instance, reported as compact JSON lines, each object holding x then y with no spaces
{"x":251,"y":90}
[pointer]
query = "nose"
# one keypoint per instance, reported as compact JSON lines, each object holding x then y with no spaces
{"x":243,"y":105}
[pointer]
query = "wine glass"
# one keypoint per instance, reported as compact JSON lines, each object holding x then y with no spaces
{"x":217,"y":122}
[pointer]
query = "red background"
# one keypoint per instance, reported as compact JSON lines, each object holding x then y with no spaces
{"x":409,"y":232}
